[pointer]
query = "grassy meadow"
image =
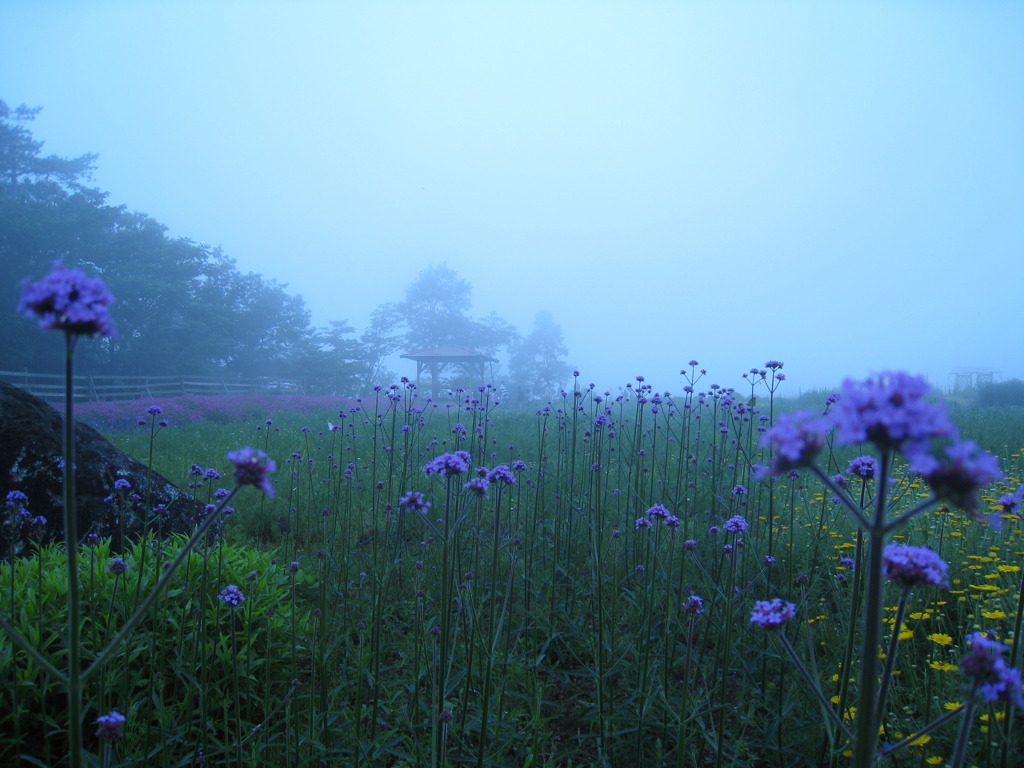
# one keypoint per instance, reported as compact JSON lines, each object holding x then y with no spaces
{"x":548,"y":619}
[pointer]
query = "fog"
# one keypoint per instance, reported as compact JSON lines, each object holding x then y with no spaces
{"x":834,"y":185}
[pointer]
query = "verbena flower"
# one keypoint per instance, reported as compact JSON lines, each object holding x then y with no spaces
{"x":795,"y":440}
{"x":414,"y":501}
{"x":863,"y":466}
{"x":772,"y":614}
{"x":958,"y":479}
{"x":693,"y":604}
{"x":913,"y":567}
{"x":448,"y":464}
{"x":890,"y":411}
{"x":231,"y":595}
{"x":501,"y":474}
{"x":253,"y":467}
{"x":110,"y":725}
{"x":991,"y":679}
{"x":117,"y":566}
{"x":477,"y":486}
{"x":69,"y":301}
{"x":735,"y":524}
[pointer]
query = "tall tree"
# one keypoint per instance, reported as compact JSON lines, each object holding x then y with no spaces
{"x":435,"y":312}
{"x":538,"y":368}
{"x":181,"y":307}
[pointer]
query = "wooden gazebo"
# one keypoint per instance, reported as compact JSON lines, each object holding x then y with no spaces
{"x":437,"y":359}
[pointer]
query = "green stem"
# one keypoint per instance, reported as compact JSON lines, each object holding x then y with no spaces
{"x":866,"y":741}
{"x":75,"y":677}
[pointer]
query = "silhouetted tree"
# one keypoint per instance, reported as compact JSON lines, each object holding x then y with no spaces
{"x":181,"y":307}
{"x":538,"y":368}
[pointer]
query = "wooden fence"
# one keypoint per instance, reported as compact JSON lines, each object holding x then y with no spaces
{"x":50,"y":386}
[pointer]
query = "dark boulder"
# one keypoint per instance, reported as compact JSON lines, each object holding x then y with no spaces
{"x":31,"y":448}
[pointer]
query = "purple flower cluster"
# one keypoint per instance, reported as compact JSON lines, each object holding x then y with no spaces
{"x":991,"y":679}
{"x":448,"y":464}
{"x":772,"y":614}
{"x":501,"y":474}
{"x":795,"y":440}
{"x":253,"y":467}
{"x":693,"y":604}
{"x":414,"y":501}
{"x":67,"y":300}
{"x":231,"y":595}
{"x":110,"y":725}
{"x":735,"y":524}
{"x":957,"y":479}
{"x":891,"y":411}
{"x":117,"y":566}
{"x":913,"y":567}
{"x":863,"y":467}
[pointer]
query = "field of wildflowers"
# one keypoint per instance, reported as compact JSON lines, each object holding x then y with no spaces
{"x":703,"y":578}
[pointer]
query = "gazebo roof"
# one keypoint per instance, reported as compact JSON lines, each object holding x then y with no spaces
{"x":450,"y":353}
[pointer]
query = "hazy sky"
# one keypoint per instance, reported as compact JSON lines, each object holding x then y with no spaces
{"x":837,"y":185}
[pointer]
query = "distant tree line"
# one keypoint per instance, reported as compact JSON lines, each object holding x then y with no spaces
{"x":1002,"y":393}
{"x":184,"y":307}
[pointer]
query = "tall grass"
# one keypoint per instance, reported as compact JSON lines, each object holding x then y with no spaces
{"x":545,"y":622}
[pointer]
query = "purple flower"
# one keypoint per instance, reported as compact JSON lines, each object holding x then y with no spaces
{"x":769,"y":561}
{"x":253,"y":467}
{"x":658,"y":512}
{"x":117,"y":566}
{"x":501,"y":474}
{"x":890,"y":411}
{"x":518,"y":465}
{"x":693,"y":604}
{"x":448,"y":464}
{"x":69,"y":301}
{"x":643,"y":522}
{"x":293,"y":566}
{"x":231,"y":595}
{"x":735,"y":524}
{"x":772,"y":614}
{"x":414,"y":501}
{"x":110,"y":725}
{"x":121,"y":484}
{"x":914,"y":566}
{"x":795,"y":440}
{"x":690,"y":545}
{"x":477,"y":486}
{"x":991,"y":679}
{"x":958,"y":479}
{"x":863,"y":466}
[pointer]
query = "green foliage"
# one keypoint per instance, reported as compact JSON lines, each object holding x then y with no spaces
{"x":1004,"y":393}
{"x":171,"y":292}
{"x":195,"y":671}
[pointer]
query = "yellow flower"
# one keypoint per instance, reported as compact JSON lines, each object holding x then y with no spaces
{"x":942,"y":666}
{"x":1009,"y":568}
{"x":920,"y":741}
{"x":934,"y":760}
{"x":940,"y":639}
{"x":951,"y":705}
{"x":994,"y":614}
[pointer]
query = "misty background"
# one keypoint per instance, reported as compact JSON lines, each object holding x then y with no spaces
{"x":835,"y":185}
